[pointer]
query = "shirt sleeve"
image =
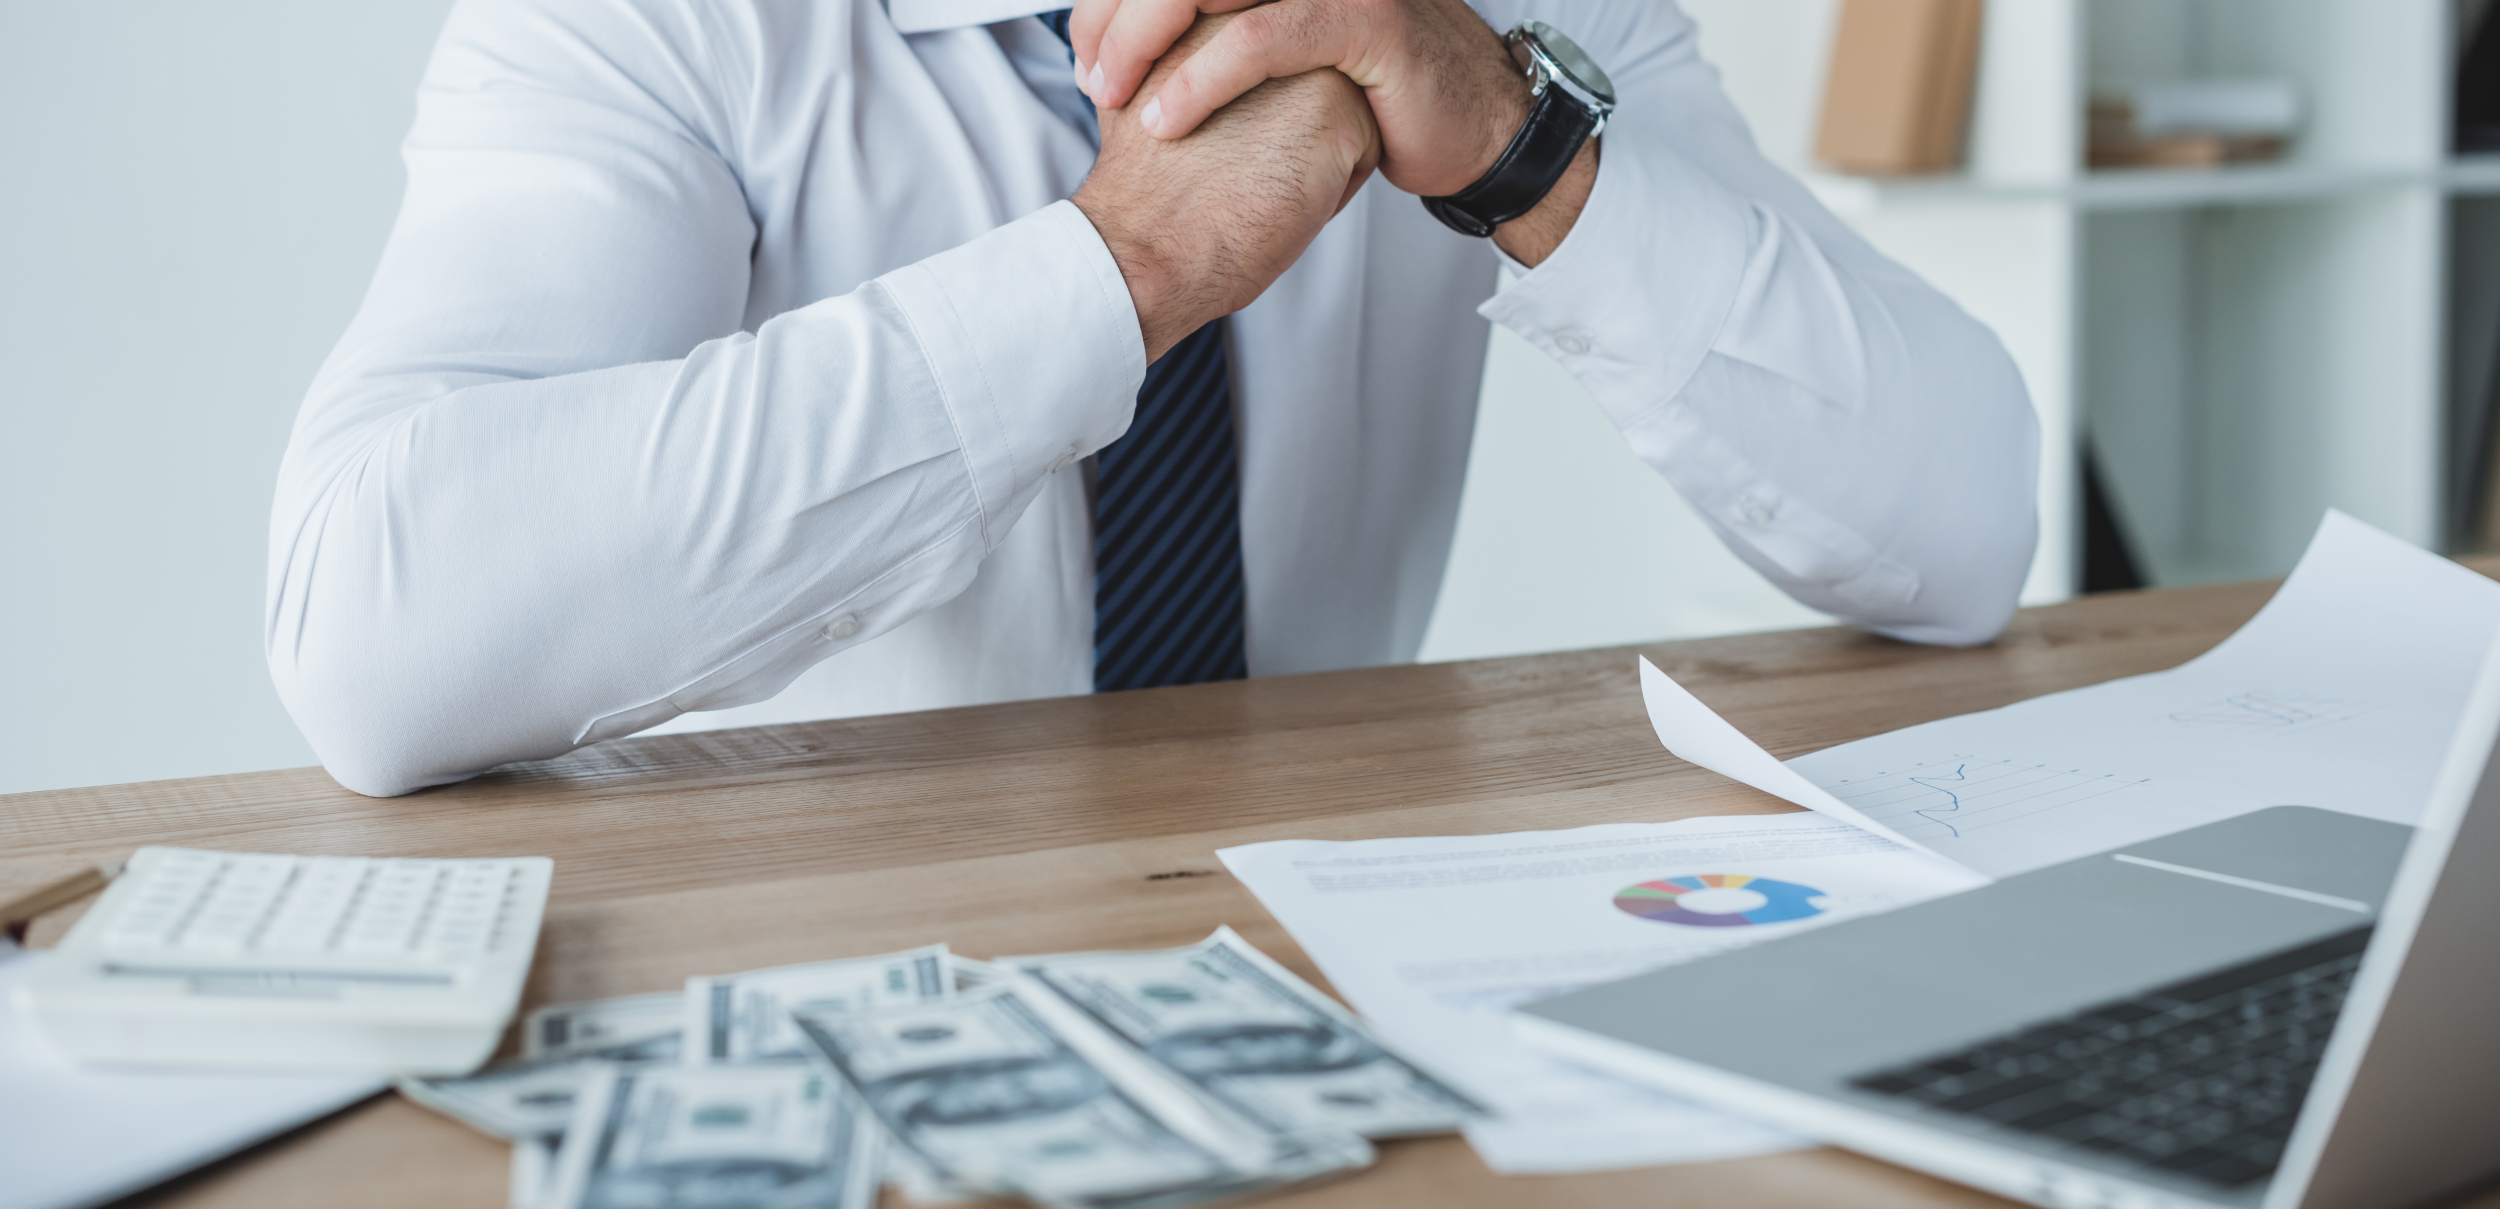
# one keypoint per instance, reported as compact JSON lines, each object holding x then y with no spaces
{"x":547,"y":491}
{"x":1842,"y":426}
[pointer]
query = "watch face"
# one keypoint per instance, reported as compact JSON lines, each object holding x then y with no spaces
{"x":1566,"y":55}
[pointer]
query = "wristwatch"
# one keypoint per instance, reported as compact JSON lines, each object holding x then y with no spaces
{"x":1573,"y":98}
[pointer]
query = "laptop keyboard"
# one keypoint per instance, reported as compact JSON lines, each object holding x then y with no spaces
{"x":2202,"y":1078}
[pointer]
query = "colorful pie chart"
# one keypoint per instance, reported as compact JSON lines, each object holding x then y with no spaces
{"x":1718,"y":900}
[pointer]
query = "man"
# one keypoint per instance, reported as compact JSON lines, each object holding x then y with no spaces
{"x":790,"y":352}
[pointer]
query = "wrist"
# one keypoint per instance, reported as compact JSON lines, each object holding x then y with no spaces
{"x":1506,"y":103}
{"x":1168,"y":309}
{"x":1533,"y":236}
{"x":1551,"y":141}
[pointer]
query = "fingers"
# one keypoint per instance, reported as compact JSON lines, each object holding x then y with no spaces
{"x":1118,"y":41}
{"x":1086,"y":21}
{"x":1268,"y":42}
{"x":1136,"y":36}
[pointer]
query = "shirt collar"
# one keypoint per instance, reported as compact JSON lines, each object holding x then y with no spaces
{"x":925,"y":16}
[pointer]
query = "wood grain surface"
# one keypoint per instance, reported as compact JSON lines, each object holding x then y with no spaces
{"x":1087,"y":823}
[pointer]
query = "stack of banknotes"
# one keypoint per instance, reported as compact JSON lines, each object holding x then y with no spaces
{"x":1152,"y":1080}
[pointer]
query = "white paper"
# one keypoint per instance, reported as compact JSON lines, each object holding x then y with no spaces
{"x":75,"y":1136}
{"x":1696,"y":733}
{"x":2343,"y":692}
{"x":1435,"y":940}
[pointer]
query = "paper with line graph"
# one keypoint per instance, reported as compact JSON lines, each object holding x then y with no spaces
{"x":2342,"y":692}
{"x":1963,"y":794}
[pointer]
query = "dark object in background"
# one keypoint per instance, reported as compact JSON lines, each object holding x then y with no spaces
{"x":2108,"y":565}
{"x":2471,"y":529}
{"x":2478,"y":86}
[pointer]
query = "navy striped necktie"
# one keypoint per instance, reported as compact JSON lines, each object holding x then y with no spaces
{"x":1168,"y":599}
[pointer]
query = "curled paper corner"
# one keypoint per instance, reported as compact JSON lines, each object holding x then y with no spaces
{"x":1695,"y":733}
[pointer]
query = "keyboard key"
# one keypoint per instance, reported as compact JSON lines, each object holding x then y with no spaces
{"x":2203,"y":1078}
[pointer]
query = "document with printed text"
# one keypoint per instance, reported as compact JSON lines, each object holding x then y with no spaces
{"x":1435,"y":939}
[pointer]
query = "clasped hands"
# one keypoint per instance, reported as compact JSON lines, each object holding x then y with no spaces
{"x":1232,"y":130}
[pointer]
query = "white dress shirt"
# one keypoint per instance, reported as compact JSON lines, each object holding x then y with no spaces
{"x":741,"y":353}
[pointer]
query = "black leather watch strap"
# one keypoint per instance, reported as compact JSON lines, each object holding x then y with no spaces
{"x":1536,"y":158}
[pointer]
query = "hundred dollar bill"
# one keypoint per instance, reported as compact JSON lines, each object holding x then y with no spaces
{"x":644,"y":1028}
{"x":533,"y":1171}
{"x":652,"y":1023}
{"x":1226,"y":1017}
{"x":771,"y":1136}
{"x":971,"y":975}
{"x":525,"y":1099}
{"x":999,"y":1097}
{"x":906,"y":1172}
{"x":746,"y":1017}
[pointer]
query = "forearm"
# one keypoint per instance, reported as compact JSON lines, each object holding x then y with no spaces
{"x":1849,"y":431}
{"x":510,"y":569}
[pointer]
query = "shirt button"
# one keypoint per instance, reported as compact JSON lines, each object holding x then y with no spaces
{"x":1758,"y":510}
{"x":842,"y":627}
{"x":1573,"y":341}
{"x":1060,"y":463}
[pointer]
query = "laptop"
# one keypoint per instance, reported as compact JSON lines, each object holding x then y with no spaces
{"x":2292,"y":1009}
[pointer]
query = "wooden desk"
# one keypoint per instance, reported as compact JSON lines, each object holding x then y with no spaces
{"x":1089,"y":823}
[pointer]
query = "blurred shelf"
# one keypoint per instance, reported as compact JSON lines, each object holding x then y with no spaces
{"x":2161,"y":188}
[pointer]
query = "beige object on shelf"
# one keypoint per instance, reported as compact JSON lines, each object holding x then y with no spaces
{"x":1896,"y":99}
{"x":2192,"y":124}
{"x":2199,"y":149}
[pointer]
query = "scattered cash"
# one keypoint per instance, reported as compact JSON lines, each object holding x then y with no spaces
{"x":530,"y":1098}
{"x":906,"y":1172}
{"x":1226,"y":1017}
{"x":533,"y":1170}
{"x":652,"y":1023}
{"x":530,"y":1102}
{"x":1002,"y":1091}
{"x":746,"y":1017}
{"x":766,"y":1136}
{"x":1159,"y":1080}
{"x":972,"y":975}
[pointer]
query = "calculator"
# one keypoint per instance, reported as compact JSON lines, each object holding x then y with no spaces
{"x":236,"y":959}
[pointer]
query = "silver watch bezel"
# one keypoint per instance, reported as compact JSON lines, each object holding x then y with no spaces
{"x":1532,"y":46}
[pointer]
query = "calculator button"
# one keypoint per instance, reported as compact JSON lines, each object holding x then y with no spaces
{"x":184,"y":862}
{"x":316,"y":905}
{"x":152,"y":919}
{"x":236,"y":903}
{"x":395,"y":900}
{"x":269,"y":871}
{"x":334,"y":871}
{"x":169,"y":891}
{"x":147,"y":928}
{"x":383,"y":935}
{"x":463,"y":923}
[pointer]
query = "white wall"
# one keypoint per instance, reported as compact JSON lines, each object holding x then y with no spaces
{"x":1567,"y":541}
{"x":193,"y":197}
